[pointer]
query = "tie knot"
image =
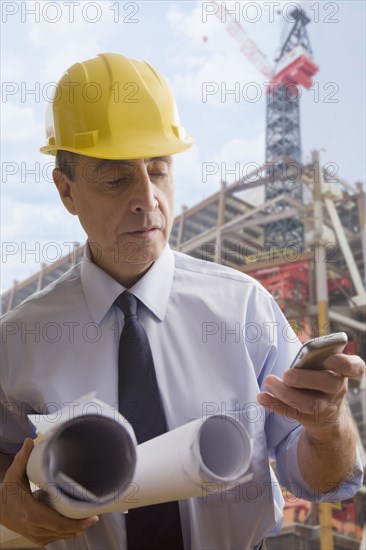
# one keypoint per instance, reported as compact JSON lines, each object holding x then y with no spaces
{"x":128,"y":303}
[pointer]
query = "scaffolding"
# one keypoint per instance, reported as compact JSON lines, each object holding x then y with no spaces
{"x":228,"y":228}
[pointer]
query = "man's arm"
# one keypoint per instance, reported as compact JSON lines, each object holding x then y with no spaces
{"x":23,"y":514}
{"x":316,"y":398}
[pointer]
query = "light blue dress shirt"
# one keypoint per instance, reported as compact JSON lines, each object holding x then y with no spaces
{"x":215,"y":334}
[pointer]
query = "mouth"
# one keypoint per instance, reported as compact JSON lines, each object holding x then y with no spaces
{"x":144,"y":232}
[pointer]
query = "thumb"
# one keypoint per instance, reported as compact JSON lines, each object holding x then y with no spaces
{"x":21,"y":458}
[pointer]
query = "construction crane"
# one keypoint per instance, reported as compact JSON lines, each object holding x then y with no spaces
{"x":295,"y":67}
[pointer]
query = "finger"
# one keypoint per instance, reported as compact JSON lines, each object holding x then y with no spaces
{"x":274,"y":405}
{"x":351,"y":366}
{"x":54,"y":523}
{"x":48,"y":523}
{"x":329,"y":382}
{"x":16,"y":472}
{"x":320,"y":417}
{"x":21,"y":458}
{"x":44,"y":539}
{"x":57,"y":535}
{"x":301,"y":399}
{"x":75,"y":527}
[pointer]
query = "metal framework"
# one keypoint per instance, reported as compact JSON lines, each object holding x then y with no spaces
{"x":227,"y":228}
{"x":283,"y":135}
{"x":283,"y":138}
{"x":298,"y":34}
{"x":282,"y":127}
{"x":283,"y":113}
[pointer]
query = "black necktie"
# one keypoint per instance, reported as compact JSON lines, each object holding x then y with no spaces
{"x":154,"y":527}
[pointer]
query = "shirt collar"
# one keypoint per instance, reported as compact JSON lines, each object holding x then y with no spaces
{"x":153,"y":289}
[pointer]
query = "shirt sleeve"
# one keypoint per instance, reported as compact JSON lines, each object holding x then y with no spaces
{"x":14,"y":425}
{"x":290,"y":475}
{"x":282,"y":433}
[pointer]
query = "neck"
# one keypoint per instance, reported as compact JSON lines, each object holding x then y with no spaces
{"x":124,"y":273}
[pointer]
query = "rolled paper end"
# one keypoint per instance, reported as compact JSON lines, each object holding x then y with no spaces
{"x":89,"y":459}
{"x":226,"y":449}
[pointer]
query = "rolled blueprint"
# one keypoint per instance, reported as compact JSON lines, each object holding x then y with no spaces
{"x":89,"y":464}
{"x":85,"y":456}
{"x":188,"y":461}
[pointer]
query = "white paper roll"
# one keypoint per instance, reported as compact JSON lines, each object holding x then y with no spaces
{"x":85,"y":462}
{"x":181,"y":463}
{"x":89,"y":464}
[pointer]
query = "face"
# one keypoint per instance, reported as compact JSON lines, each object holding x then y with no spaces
{"x":125,"y":208}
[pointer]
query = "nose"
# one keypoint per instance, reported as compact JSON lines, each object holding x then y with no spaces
{"x":143,"y":196}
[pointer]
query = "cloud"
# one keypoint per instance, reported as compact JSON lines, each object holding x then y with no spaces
{"x":13,"y":69}
{"x":216,"y":79}
{"x":19,"y":123}
{"x":204,"y":24}
{"x":197,"y":179}
{"x":79,"y":29}
{"x":219,"y":61}
{"x":195,"y":28}
{"x":244,"y":150}
{"x":189,"y":187}
{"x":236,"y":159}
{"x":33,"y":234}
{"x":210,"y":71}
{"x":38,"y":220}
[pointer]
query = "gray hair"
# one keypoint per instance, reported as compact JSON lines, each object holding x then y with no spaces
{"x":66,"y":161}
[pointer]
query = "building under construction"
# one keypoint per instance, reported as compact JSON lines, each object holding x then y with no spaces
{"x":227,"y":228}
{"x":300,"y":231}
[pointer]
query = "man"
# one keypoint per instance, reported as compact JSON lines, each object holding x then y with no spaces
{"x":114,"y":170}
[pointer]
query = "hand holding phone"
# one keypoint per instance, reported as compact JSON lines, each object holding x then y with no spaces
{"x":314,"y":352}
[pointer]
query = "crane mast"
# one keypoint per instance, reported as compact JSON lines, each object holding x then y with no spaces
{"x":294,"y":68}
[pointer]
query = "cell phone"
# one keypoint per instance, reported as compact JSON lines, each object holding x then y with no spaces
{"x":314,"y":352}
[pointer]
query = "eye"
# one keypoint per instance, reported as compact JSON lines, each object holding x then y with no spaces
{"x":158,"y":170}
{"x":158,"y":175}
{"x":116,"y":183}
{"x":117,"y":175}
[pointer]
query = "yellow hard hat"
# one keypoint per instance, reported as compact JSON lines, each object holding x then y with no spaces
{"x":114,"y":107}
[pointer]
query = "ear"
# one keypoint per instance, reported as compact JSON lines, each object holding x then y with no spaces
{"x":64,"y":188}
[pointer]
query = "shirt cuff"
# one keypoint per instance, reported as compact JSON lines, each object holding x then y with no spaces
{"x":291,"y":478}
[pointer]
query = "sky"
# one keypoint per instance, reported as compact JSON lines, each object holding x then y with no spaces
{"x":190,"y":46}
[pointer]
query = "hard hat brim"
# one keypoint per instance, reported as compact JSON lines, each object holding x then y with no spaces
{"x":124,"y":153}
